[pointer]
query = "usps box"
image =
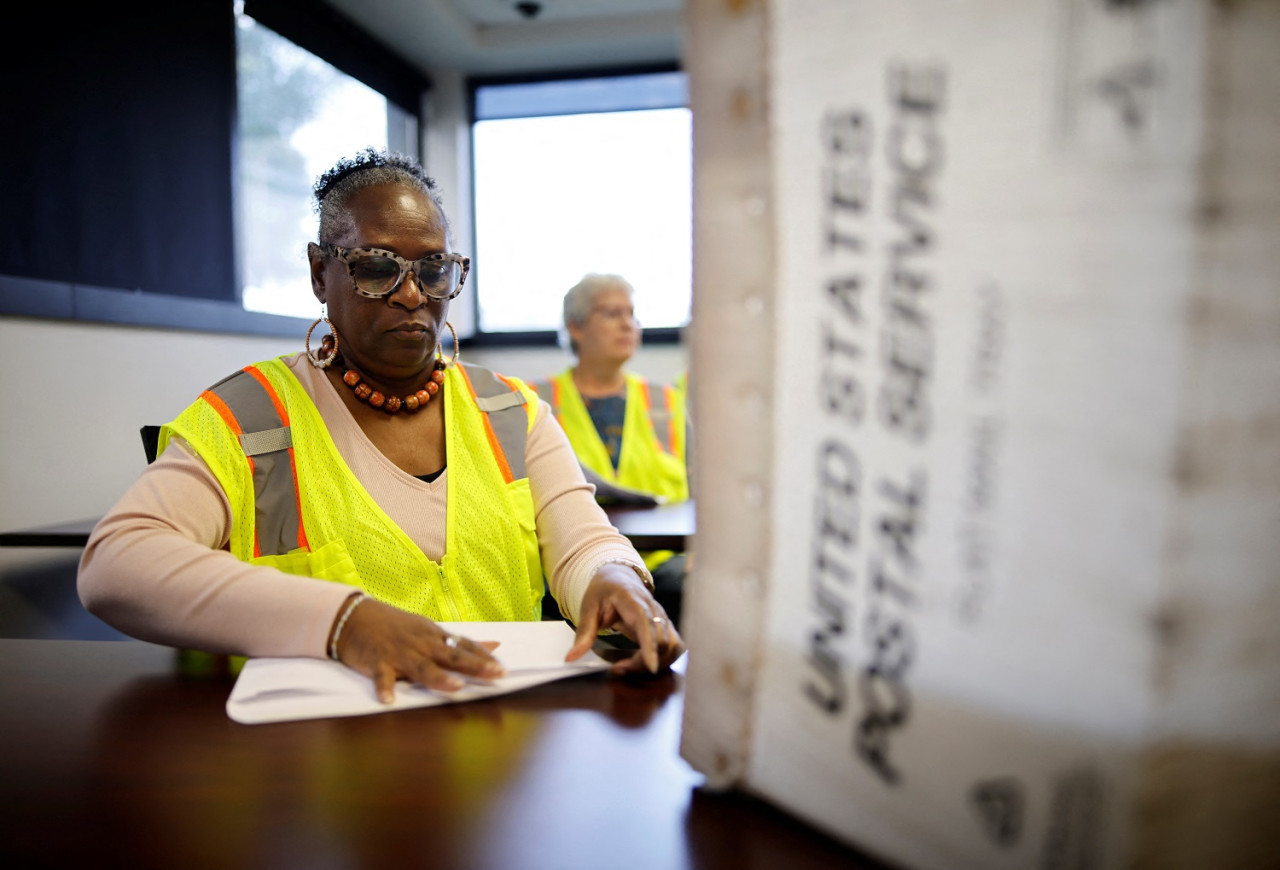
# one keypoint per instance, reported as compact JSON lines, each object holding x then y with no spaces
{"x":985,"y":374}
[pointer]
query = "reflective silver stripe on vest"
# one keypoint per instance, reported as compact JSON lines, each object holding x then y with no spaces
{"x":266,"y":440}
{"x":499,"y":403}
{"x":660,"y":415}
{"x":507,"y":416}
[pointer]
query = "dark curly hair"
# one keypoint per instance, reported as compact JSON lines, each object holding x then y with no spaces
{"x":368,"y":168}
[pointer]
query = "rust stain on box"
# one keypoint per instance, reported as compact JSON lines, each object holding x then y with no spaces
{"x":729,"y":675}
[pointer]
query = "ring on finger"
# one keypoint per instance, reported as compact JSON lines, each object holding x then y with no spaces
{"x":657,"y":620}
{"x":451,"y":641}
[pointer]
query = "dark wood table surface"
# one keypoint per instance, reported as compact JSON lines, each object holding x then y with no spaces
{"x":665,"y":527}
{"x":109,"y":757}
{"x":69,"y":534}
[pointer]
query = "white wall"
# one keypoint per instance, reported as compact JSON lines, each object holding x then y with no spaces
{"x":78,"y":394}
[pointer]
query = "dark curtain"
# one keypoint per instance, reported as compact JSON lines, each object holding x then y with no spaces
{"x":117,"y":154}
{"x":327,"y":33}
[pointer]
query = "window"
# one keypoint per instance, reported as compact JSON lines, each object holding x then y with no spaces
{"x":297,"y":115}
{"x":576,"y":176}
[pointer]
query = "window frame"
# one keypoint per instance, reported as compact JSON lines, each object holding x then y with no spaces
{"x":660,"y":335}
{"x":59,"y":300}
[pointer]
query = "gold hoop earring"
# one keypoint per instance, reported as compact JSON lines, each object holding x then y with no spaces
{"x":440,"y":350}
{"x":328,"y":345}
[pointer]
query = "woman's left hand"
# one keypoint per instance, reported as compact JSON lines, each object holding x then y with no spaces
{"x":617,"y":598}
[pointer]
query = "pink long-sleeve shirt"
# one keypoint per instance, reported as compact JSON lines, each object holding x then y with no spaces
{"x":154,"y":566}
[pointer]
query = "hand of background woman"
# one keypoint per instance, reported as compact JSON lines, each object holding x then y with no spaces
{"x":616,"y":598}
{"x":386,"y":643}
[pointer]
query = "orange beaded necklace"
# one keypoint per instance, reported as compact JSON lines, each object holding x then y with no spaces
{"x":370,"y":396}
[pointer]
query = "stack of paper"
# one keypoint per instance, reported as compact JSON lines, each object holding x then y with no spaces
{"x":284,"y":689}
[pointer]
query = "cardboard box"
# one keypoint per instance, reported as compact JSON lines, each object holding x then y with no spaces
{"x":986,"y":383}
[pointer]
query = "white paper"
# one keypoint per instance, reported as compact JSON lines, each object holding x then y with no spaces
{"x":286,"y":689}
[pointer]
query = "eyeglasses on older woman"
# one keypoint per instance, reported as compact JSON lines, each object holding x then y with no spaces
{"x":377,"y":273}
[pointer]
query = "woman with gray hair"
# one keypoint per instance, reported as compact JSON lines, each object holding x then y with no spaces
{"x":626,"y":432}
{"x":346,"y":499}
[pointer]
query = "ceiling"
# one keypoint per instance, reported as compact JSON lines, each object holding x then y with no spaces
{"x":495,"y":37}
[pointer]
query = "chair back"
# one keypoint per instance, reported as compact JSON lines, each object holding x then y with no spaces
{"x":150,"y":441}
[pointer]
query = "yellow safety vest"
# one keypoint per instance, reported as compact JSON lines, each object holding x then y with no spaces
{"x":296,"y":506}
{"x":652,"y":455}
{"x":682,"y":385}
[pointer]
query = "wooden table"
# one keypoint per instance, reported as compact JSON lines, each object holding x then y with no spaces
{"x":109,"y":758}
{"x":71,"y":534}
{"x":665,"y":527}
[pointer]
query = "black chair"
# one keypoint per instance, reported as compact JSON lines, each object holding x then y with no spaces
{"x":150,"y":442}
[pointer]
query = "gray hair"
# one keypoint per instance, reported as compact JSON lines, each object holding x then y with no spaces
{"x":369,"y":168}
{"x":582,"y":296}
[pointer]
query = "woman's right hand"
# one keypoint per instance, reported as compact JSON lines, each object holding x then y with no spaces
{"x":386,"y":644}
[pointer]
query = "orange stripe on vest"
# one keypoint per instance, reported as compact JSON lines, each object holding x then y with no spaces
{"x":498,"y":453}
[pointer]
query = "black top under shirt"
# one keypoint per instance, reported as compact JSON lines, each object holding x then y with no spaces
{"x":430,"y":478}
{"x":608,"y":413}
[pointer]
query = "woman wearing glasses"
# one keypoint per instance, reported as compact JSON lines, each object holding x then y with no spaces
{"x":341,"y":500}
{"x":626,"y":432}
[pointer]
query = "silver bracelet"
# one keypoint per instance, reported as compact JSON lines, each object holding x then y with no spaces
{"x":342,"y":620}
